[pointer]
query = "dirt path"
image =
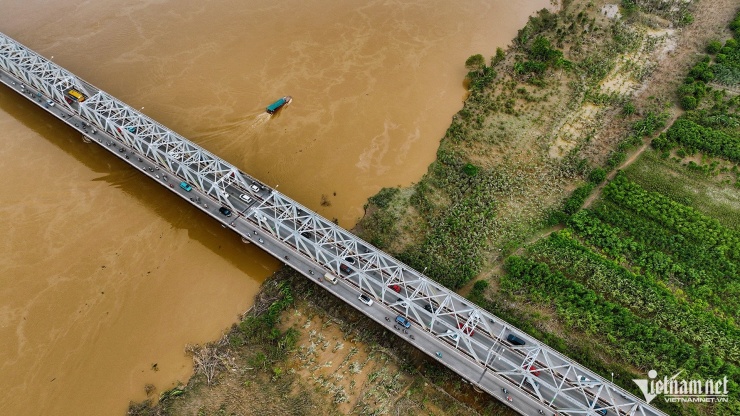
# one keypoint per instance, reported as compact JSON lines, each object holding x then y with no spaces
{"x":709,"y":23}
{"x":631,"y":159}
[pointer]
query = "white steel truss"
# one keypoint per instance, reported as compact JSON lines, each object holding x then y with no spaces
{"x":534,"y":367}
{"x":442,"y":312}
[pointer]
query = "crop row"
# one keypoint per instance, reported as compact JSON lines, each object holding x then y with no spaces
{"x":646,"y":297}
{"x":641,"y":341}
{"x":708,"y":278}
{"x":696,"y":137}
{"x":680,"y":218}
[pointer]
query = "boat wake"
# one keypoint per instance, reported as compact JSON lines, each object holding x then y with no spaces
{"x":261,"y":119}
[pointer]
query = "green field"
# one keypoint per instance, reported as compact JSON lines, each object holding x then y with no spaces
{"x":650,"y":272}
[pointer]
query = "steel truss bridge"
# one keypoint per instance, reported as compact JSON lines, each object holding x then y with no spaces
{"x":531,"y":378}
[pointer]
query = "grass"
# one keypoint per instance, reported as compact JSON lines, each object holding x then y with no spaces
{"x":525,"y":139}
{"x":709,"y":194}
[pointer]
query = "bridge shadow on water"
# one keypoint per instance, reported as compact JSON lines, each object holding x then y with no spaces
{"x":116,"y":173}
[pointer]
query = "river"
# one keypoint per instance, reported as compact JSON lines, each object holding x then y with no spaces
{"x":104,"y":276}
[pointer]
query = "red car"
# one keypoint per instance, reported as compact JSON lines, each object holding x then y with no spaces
{"x":534,"y":370}
{"x":468,"y":330}
{"x":396,"y":288}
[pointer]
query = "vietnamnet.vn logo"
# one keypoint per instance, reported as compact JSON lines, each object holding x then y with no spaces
{"x":674,"y":390}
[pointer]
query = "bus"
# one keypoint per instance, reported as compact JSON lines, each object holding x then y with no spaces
{"x":76,"y":95}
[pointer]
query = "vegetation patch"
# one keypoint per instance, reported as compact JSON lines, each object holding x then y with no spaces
{"x":299,"y":352}
{"x":646,"y":277}
{"x":652,"y":279}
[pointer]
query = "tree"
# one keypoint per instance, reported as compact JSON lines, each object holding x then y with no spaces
{"x":470,"y":169}
{"x":499,"y":56}
{"x":475,"y":63}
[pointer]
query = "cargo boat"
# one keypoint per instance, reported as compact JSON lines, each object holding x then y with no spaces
{"x":272,"y":108}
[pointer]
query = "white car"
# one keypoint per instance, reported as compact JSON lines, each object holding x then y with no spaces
{"x":50,"y":103}
{"x":245,"y":198}
{"x":365,"y":299}
{"x":452,"y":334}
{"x":255,"y":188}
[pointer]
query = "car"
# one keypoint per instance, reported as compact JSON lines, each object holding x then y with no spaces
{"x":401,"y":302}
{"x":225,"y":211}
{"x":534,"y":370}
{"x":467,"y":330}
{"x":255,"y":188}
{"x":365,"y":299}
{"x":307,"y":234}
{"x":349,"y":260}
{"x":186,"y":187}
{"x":395,"y":288}
{"x":515,"y":339}
{"x":403,"y":322}
{"x":452,"y":334}
{"x":597,"y":408}
{"x":429,"y":308}
{"x":344,"y":268}
{"x":50,"y":103}
{"x":583,"y":379}
{"x":245,"y":198}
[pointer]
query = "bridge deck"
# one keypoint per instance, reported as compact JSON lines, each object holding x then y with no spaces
{"x":467,"y":339}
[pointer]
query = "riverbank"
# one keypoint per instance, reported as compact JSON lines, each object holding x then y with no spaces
{"x":298,"y":352}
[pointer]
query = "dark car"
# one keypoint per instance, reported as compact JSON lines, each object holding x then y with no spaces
{"x":515,"y":340}
{"x":307,"y":234}
{"x":597,"y":408}
{"x":225,"y":211}
{"x":344,"y":268}
{"x":349,"y":260}
{"x":395,"y":288}
{"x":429,"y":308}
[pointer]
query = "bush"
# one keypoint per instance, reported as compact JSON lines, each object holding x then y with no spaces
{"x":615,"y":159}
{"x":470,"y":169}
{"x":555,"y":217}
{"x":628,"y":109}
{"x":499,"y":56}
{"x":714,"y":46}
{"x":576,"y":200}
{"x":688,"y":102}
{"x":597,"y":176}
{"x":383,"y":198}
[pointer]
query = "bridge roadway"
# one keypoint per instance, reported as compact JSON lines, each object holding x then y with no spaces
{"x":530,"y":378}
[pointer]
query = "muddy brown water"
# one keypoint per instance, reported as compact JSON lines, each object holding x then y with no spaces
{"x":103,"y":274}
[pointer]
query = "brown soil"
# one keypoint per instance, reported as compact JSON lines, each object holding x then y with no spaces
{"x":342,"y":364}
